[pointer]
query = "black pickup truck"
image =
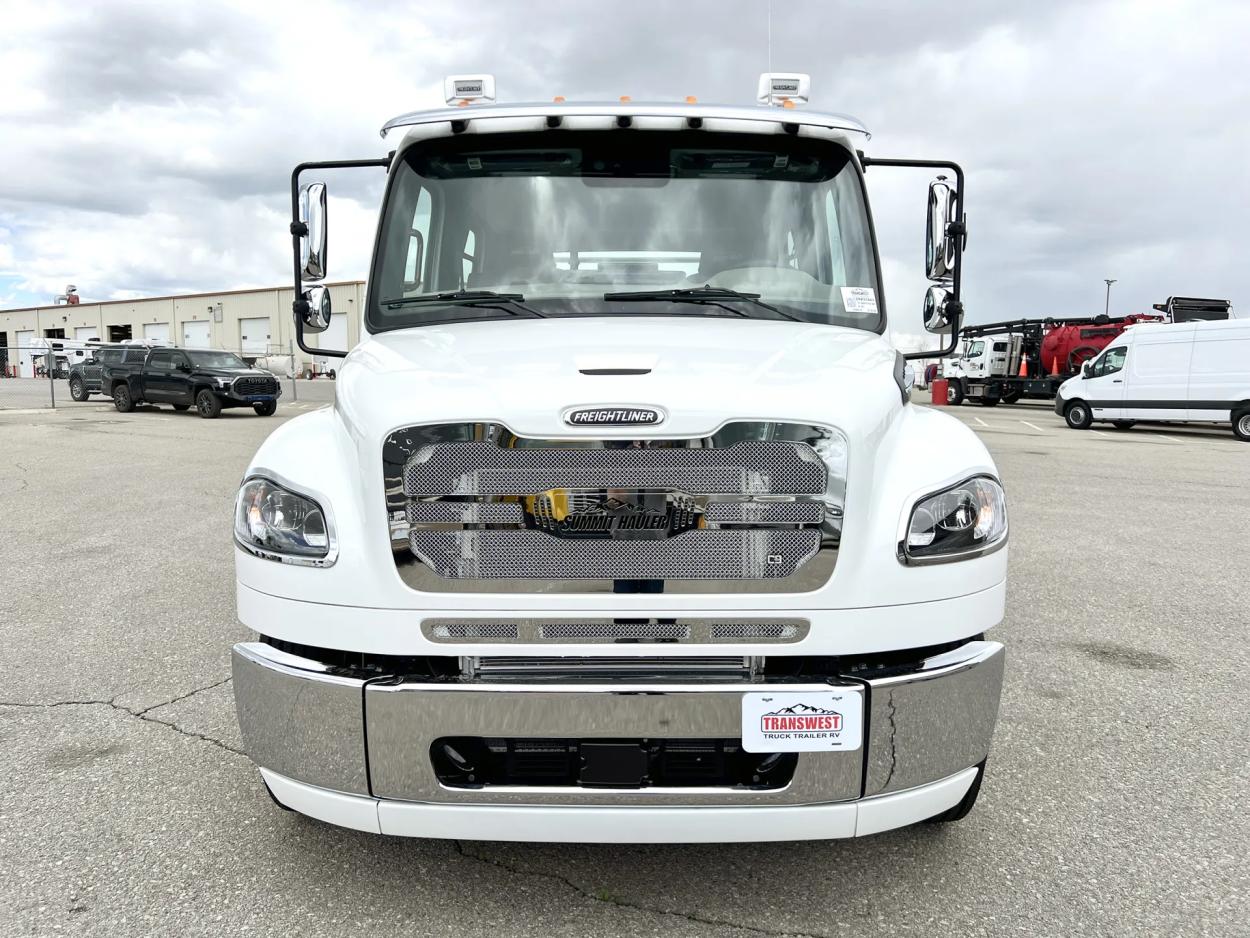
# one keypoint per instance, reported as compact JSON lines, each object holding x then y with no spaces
{"x":207,"y":380}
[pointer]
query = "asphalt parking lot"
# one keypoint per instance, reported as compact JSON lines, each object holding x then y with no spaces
{"x":1114,"y":803}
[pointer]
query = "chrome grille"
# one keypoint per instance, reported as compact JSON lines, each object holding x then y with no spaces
{"x":746,"y":468}
{"x":755,"y":506}
{"x":694,"y":555}
{"x":765,"y":512}
{"x":465,"y":513}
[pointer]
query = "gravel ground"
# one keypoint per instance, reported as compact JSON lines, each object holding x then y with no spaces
{"x":1114,"y":803}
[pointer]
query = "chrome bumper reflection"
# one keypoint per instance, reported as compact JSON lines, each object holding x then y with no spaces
{"x":308,"y":724}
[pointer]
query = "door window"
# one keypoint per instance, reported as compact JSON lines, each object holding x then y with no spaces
{"x":1111,"y":361}
{"x":162,"y":361}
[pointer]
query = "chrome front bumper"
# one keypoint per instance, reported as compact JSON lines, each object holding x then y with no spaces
{"x":373,"y":738}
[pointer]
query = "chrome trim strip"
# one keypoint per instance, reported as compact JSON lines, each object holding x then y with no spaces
{"x":585,"y":631}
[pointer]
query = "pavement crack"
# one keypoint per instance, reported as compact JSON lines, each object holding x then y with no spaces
{"x":609,"y":899}
{"x":144,"y":714}
{"x":181,"y":697}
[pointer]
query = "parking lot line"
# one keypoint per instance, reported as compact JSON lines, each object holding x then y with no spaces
{"x":1033,"y":425}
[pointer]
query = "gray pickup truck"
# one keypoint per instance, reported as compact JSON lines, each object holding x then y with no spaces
{"x":85,"y":377}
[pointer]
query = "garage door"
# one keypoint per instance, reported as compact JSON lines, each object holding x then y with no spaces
{"x":336,"y":335}
{"x":25,"y":358}
{"x":254,"y":336}
{"x":156,"y":332}
{"x":83,"y":333}
{"x":195,"y":334}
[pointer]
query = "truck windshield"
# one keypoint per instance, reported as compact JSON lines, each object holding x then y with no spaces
{"x":605,"y":223}
{"x":216,"y":359}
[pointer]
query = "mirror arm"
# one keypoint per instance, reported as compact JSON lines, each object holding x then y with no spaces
{"x":298,"y":230}
{"x":959,"y":228}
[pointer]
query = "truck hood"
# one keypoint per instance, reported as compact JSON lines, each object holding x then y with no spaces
{"x":700,"y":372}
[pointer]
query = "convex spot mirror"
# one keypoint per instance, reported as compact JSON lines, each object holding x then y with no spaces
{"x":937,"y":314}
{"x":939,"y":246}
{"x":316,"y":316}
{"x":312,"y":213}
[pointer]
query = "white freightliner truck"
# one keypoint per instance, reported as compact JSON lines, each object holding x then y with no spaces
{"x":622,"y":527}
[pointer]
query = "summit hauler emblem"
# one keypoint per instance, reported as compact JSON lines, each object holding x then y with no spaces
{"x":803,"y":721}
{"x":613,"y":416}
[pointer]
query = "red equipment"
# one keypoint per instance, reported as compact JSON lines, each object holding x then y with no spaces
{"x":1072,"y":345}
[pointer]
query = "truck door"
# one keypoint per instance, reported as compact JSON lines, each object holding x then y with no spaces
{"x":158,"y":377}
{"x":1103,"y":390}
{"x":999,"y":358}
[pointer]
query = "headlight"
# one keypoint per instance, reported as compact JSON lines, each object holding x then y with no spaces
{"x":224,"y":382}
{"x":278,"y":524}
{"x":965,"y":520}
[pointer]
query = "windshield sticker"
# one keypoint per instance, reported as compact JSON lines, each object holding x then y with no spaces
{"x":859,"y":300}
{"x":816,"y":721}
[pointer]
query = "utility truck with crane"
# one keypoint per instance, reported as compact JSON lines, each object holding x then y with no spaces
{"x":622,"y":527}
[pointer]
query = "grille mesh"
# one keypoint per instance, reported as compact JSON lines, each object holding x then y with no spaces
{"x":255,"y":384}
{"x":465,"y":513}
{"x":694,"y":555}
{"x":765,"y":512}
{"x":573,"y":631}
{"x":487,"y":631}
{"x":745,"y":468}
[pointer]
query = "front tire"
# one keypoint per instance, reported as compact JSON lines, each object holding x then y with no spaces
{"x":77,"y":390}
{"x":1078,"y":415}
{"x":1241,"y":425}
{"x":954,"y":393}
{"x":122,"y":399}
{"x":266,"y":408}
{"x":960,"y":811}
{"x":208,"y":405}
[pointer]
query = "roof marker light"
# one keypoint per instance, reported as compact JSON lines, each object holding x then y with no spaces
{"x":469,"y":89}
{"x":625,"y":99}
{"x":558,"y":99}
{"x":784,"y":89}
{"x":691,"y":99}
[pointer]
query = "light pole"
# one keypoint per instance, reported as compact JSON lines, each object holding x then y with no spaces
{"x":1107,"y":309}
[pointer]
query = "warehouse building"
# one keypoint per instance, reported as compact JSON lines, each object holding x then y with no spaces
{"x":253,"y":323}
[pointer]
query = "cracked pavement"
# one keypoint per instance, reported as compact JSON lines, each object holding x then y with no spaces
{"x":1114,"y":802}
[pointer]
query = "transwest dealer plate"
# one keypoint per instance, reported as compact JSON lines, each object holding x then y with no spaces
{"x":815,"y":721}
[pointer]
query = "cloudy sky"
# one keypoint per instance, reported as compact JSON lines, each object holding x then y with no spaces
{"x":145,"y":148}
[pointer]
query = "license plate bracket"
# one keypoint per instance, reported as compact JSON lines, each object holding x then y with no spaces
{"x":613,"y":765}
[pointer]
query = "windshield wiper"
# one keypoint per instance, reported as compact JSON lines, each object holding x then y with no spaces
{"x":705,"y":295}
{"x":478,"y":299}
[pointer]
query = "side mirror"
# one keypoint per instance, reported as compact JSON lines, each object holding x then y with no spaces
{"x":312,"y":213}
{"x":938,"y":317}
{"x":316,"y":317}
{"x":939,"y":246}
{"x":184,"y":367}
{"x":1087,"y":370}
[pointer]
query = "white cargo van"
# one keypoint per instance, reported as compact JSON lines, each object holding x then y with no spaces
{"x":1180,"y":372}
